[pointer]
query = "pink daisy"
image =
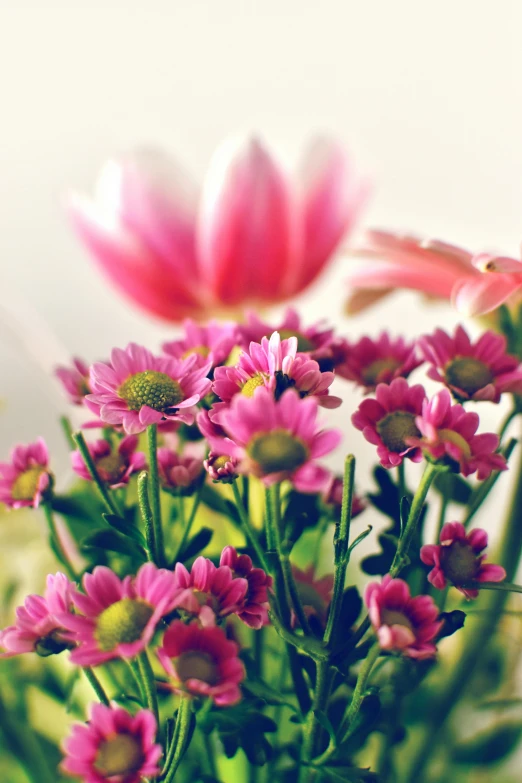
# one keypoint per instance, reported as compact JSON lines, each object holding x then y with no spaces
{"x":389,"y":421}
{"x":26,"y":478}
{"x":114,"y":466}
{"x":209,"y":591}
{"x":209,"y":342}
{"x":447,"y":433}
{"x":179,"y":473}
{"x":221,"y":467}
{"x":473,"y":371}
{"x":202,"y":662}
{"x":333,"y":496}
{"x":118,"y":617}
{"x":37,"y":628}
{"x":402,"y":623}
{"x":254,"y":611}
{"x":138,"y":389}
{"x":75,"y":380}
{"x":114,"y":746}
{"x":369,"y":362}
{"x":315,"y":594}
{"x":458,"y":559}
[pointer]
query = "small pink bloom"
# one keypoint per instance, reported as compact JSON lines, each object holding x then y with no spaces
{"x":138,"y":389}
{"x":389,"y":421}
{"x":473,"y":371}
{"x":179,"y":474}
{"x":402,"y":623}
{"x":114,"y":466}
{"x":459,"y":559}
{"x":370,"y":362}
{"x":75,"y":380}
{"x":221,"y":467}
{"x":202,"y":662}
{"x":254,"y":611}
{"x":26,"y":478}
{"x":315,"y":594}
{"x":333,"y":496}
{"x":118,"y":617}
{"x":447,"y":433}
{"x":37,"y":628}
{"x":210,"y":342}
{"x":209,"y":591}
{"x":113,"y":747}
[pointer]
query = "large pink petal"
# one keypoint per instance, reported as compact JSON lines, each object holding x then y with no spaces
{"x":486,"y":293}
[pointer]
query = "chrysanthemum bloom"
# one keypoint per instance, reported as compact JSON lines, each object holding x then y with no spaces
{"x":209,"y":587}
{"x":476,"y":284}
{"x":138,"y":389}
{"x":113,"y":747}
{"x":447,"y":433}
{"x":369,"y":362}
{"x":118,"y":617}
{"x":114,"y":466}
{"x":473,"y":371}
{"x":459,"y":559}
{"x":278,"y":439}
{"x":402,"y":623}
{"x":254,"y":611}
{"x":75,"y":380}
{"x":26,"y":478}
{"x":389,"y":421}
{"x":221,"y":467}
{"x":202,"y":662}
{"x":37,"y":628}
{"x":212,"y":341}
{"x":333,"y":496}
{"x":315,"y":594}
{"x":179,"y":474}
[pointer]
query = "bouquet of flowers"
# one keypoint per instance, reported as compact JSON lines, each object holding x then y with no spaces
{"x":212,"y":618}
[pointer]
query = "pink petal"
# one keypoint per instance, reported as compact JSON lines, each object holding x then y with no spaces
{"x":476,"y":297}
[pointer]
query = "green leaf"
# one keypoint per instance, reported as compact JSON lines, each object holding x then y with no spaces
{"x":125,"y":527}
{"x":351,"y":605}
{"x":360,"y":538}
{"x":114,"y":542}
{"x":453,"y":487}
{"x":490,"y":746}
{"x":197,"y":543}
{"x":326,"y":723}
{"x":453,"y":622}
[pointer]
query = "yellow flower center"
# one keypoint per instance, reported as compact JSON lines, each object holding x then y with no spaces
{"x":277,"y":451}
{"x":468,"y":374}
{"x":119,"y":755}
{"x":221,"y":461}
{"x":25,"y":485}
{"x":252,"y":384}
{"x":195,"y":665}
{"x":304,"y":345}
{"x":459,"y":562}
{"x":202,"y":350}
{"x":457,"y":440}
{"x":155,"y":389}
{"x":395,"y":428}
{"x":392,"y":617}
{"x":370,"y":374}
{"x":122,"y":622}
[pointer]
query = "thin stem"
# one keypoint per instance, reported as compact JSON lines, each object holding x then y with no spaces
{"x":146,"y":515}
{"x":360,"y":688}
{"x":182,"y":734}
{"x":313,"y":728}
{"x":96,"y":685}
{"x":138,"y":679}
{"x":56,"y":542}
{"x":67,"y":431}
{"x":91,"y":467}
{"x":250,"y":534}
{"x":188,"y":525}
{"x":401,"y":480}
{"x":154,"y":492}
{"x":483,"y":490}
{"x":209,"y":751}
{"x":149,"y":684}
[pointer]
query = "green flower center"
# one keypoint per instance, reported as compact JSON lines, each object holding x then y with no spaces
{"x":110,"y":467}
{"x":468,"y":374}
{"x":252,"y":384}
{"x":25,"y":485}
{"x":195,"y":665}
{"x":393,"y":617}
{"x":395,"y":428}
{"x":221,"y":461}
{"x":304,"y":345}
{"x":120,"y":755}
{"x":122,"y":622}
{"x":202,"y":350}
{"x":155,"y":389}
{"x":277,"y":451}
{"x":370,"y":374}
{"x":459,"y":562}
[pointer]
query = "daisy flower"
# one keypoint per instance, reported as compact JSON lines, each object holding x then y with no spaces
{"x":212,"y":341}
{"x":75,"y":380}
{"x":254,"y":611}
{"x":114,"y":466}
{"x":369,"y":362}
{"x":26,"y":479}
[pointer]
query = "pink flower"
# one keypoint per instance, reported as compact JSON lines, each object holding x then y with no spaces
{"x":75,"y":380}
{"x":221,"y":467}
{"x":202,"y":662}
{"x":26,"y":479}
{"x":254,"y":611}
{"x":389,"y":421}
{"x":37,"y":628}
{"x":178,"y":473}
{"x":278,"y":439}
{"x":118,"y":617}
{"x":447,"y":433}
{"x":252,"y":238}
{"x":370,"y":362}
{"x":138,"y":389}
{"x":333,"y":496}
{"x":402,"y":623}
{"x":114,"y":746}
{"x":476,"y":284}
{"x":473,"y":371}
{"x":210,"y":342}
{"x":459,"y":559}
{"x":209,"y":591}
{"x":315,"y":594}
{"x":114,"y":467}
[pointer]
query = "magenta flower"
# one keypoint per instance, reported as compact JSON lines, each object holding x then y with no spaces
{"x":209,"y":591}
{"x":278,"y":439}
{"x":113,"y":747}
{"x":137,"y":389}
{"x":177,"y":258}
{"x":389,"y":421}
{"x":447,"y":433}
{"x":315,"y":594}
{"x":333,"y":496}
{"x":473,"y":371}
{"x":202,"y":662}
{"x":221,"y":467}
{"x":26,"y":479}
{"x":37,"y":628}
{"x":254,"y":611}
{"x":114,"y":466}
{"x":210,"y":342}
{"x":179,"y":474}
{"x":75,"y":380}
{"x":118,"y":617}
{"x":459,"y":559}
{"x":370,"y":362}
{"x":402,"y":623}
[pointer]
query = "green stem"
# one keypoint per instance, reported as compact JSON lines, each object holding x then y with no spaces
{"x":91,"y":467}
{"x":57,"y":544}
{"x":154,"y":492}
{"x":68,"y":431}
{"x":482,"y":491}
{"x":250,"y":534}
{"x":209,"y":751}
{"x":149,"y":684}
{"x":188,"y":526}
{"x":146,"y":515}
{"x":96,"y":685}
{"x":24,"y":745}
{"x":360,"y":688}
{"x":138,"y":679}
{"x":181,"y":737}
{"x":312,"y":731}
{"x":401,"y":480}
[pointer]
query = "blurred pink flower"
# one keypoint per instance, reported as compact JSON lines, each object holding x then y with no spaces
{"x":26,"y":478}
{"x":209,"y":590}
{"x":179,"y":473}
{"x":254,"y":611}
{"x":114,"y":466}
{"x":369,"y":362}
{"x":74,"y":380}
{"x":212,"y":341}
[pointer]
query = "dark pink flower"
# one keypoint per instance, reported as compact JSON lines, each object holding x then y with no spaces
{"x":26,"y":478}
{"x":209,"y":591}
{"x":402,"y":623}
{"x":254,"y":611}
{"x":473,"y":371}
{"x":315,"y":594}
{"x":203,"y":662}
{"x":75,"y":380}
{"x":221,"y":467}
{"x":212,"y":341}
{"x":369,"y":362}
{"x":459,"y":559}
{"x":113,"y":747}
{"x":333,"y":496}
{"x":179,"y":473}
{"x":114,"y":466}
{"x":389,"y":421}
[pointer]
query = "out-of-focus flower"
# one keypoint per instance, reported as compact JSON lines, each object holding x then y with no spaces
{"x":473,"y":371}
{"x":209,"y":590}
{"x":202,"y":662}
{"x":114,"y":467}
{"x":389,"y":421}
{"x":254,"y":611}
{"x":459,"y":559}
{"x":212,"y":341}
{"x":75,"y":380}
{"x":26,"y":478}
{"x":179,"y":473}
{"x":315,"y":594}
{"x":221,"y":467}
{"x":369,"y":362}
{"x":402,"y":623}
{"x":137,"y":388}
{"x":114,"y":746}
{"x":253,"y":238}
{"x":333,"y":496}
